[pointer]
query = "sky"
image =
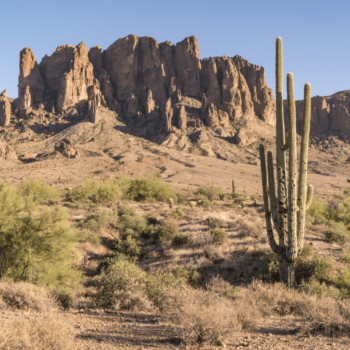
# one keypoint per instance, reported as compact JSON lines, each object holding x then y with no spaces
{"x":315,"y":34}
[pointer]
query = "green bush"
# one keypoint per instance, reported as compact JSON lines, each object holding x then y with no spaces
{"x":313,"y":286}
{"x":97,"y":192}
{"x":191,"y":277}
{"x":130,"y":247}
{"x":318,"y":212}
{"x":177,"y":214}
{"x":165,"y":234}
{"x":218,"y":236}
{"x":180,"y":198}
{"x":96,"y":221}
{"x":86,"y":235}
{"x":180,"y":239}
{"x":210,"y":192}
{"x":38,"y":190}
{"x":317,"y":268}
{"x":343,"y":282}
{"x":35,"y":247}
{"x":345,"y":256}
{"x":145,"y":189}
{"x":129,"y":220}
{"x":123,"y":285}
{"x":341,"y":212}
{"x":337,"y":232}
{"x":213,"y":223}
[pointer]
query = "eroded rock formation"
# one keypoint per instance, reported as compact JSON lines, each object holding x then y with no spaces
{"x":5,"y":109}
{"x":137,"y":76}
{"x":328,"y":113}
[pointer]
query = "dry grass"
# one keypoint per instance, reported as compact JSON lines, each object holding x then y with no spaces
{"x":43,"y":332}
{"x":25,"y":296}
{"x":206,"y":317}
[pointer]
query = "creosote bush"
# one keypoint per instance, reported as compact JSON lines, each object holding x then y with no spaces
{"x":38,"y":190}
{"x":218,"y":236}
{"x":211,"y":192}
{"x":97,"y":192}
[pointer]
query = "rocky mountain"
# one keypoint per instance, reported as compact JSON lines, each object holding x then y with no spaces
{"x":141,"y":79}
{"x":330,"y":115}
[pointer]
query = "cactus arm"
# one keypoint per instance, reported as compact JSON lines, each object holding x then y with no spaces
{"x":233,"y":186}
{"x":305,"y":131}
{"x":268,"y":216}
{"x":292,"y":249}
{"x":272,"y":190}
{"x":310,"y":191}
{"x":286,"y":145}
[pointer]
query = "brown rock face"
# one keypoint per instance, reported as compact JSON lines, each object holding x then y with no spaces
{"x":31,"y":86}
{"x":7,"y":151}
{"x":168,"y":116}
{"x":137,"y":76}
{"x":67,"y":148}
{"x":95,"y":100}
{"x":329,"y":113}
{"x":5,"y":109}
{"x":244,"y":138}
{"x":181,"y":117}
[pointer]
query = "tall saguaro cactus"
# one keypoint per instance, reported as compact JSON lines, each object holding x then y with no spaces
{"x":287,"y":209}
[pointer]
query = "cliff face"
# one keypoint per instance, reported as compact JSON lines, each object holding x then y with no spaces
{"x":137,"y":76}
{"x":329,"y":114}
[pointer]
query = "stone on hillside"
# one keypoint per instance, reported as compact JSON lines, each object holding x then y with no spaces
{"x":244,"y":138}
{"x":7,"y":151}
{"x":67,"y":148}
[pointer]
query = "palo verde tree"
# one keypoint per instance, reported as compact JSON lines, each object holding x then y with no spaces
{"x":287,"y":209}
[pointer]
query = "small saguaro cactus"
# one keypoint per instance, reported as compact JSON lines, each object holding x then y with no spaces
{"x":233,"y":186}
{"x":287,"y":210}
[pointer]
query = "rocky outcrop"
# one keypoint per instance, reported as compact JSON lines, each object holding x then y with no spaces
{"x":137,"y":76}
{"x":67,"y":148}
{"x":328,"y":113}
{"x":7,"y":151}
{"x":168,"y":116}
{"x":181,"y":117}
{"x":95,"y":100}
{"x":244,"y":138}
{"x":5,"y":109}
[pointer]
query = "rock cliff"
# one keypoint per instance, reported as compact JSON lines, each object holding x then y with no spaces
{"x":137,"y":77}
{"x":329,"y":114}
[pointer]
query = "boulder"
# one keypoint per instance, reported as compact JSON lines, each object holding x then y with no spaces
{"x":7,"y":151}
{"x":67,"y":148}
{"x":199,"y":136}
{"x":244,"y":138}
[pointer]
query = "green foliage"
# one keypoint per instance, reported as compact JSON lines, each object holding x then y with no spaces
{"x":36,"y":248}
{"x":38,"y":190}
{"x":213,"y":223}
{"x":86,"y":235}
{"x":145,"y":189}
{"x":317,"y":268}
{"x":218,"y":236}
{"x":130,"y":247}
{"x":118,"y":285}
{"x":97,"y":192}
{"x":345,"y":256}
{"x":314,"y":286}
{"x":191,"y":277}
{"x":180,"y":239}
{"x":129,"y":220}
{"x":177,"y":214}
{"x":96,"y":221}
{"x":211,"y":192}
{"x":180,"y":198}
{"x":343,"y":282}
{"x":341,"y":212}
{"x":318,"y":211}
{"x":337,"y":232}
{"x":204,"y":203}
{"x":165,"y":234}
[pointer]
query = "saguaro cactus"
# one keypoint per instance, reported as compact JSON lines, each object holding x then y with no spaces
{"x":287,"y":210}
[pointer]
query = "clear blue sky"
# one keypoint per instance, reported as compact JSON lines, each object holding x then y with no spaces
{"x":315,"y":33}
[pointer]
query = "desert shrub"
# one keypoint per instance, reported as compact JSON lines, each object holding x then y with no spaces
{"x":180,"y":198}
{"x":343,"y":282}
{"x":314,"y":286}
{"x":341,"y":212}
{"x":96,"y":221}
{"x":205,"y":317}
{"x":97,"y":192}
{"x":204,"y":203}
{"x":317,"y":268}
{"x":130,"y":247}
{"x":213,"y":223}
{"x":218,"y":236}
{"x":177,"y":214}
{"x":36,"y":247}
{"x":43,"y":332}
{"x":26,"y":296}
{"x":254,"y":231}
{"x":337,"y":232}
{"x":86,"y":235}
{"x":38,"y":190}
{"x":165,"y":234}
{"x":180,"y":239}
{"x":122,"y":282}
{"x":345,"y":256}
{"x":192,"y":277}
{"x":318,"y":211}
{"x":128,"y":219}
{"x":146,"y":189}
{"x":210,"y":192}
